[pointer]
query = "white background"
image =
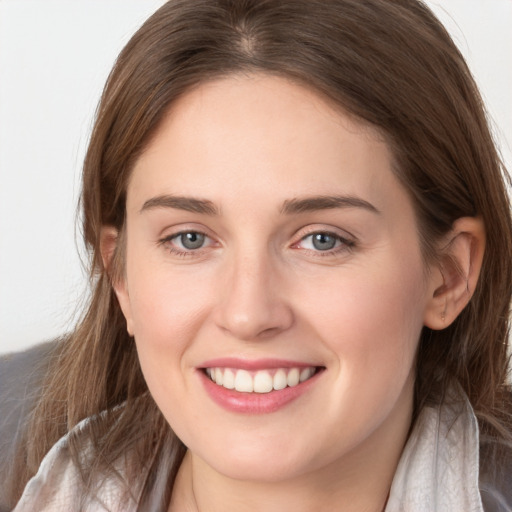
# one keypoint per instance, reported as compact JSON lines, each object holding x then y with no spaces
{"x":54,"y":58}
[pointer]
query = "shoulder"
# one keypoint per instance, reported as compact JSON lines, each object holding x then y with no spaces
{"x":448,"y":465}
{"x":56,"y":483}
{"x":438,"y":469}
{"x":59,"y":485}
{"x":21,"y":375}
{"x":496,"y":475}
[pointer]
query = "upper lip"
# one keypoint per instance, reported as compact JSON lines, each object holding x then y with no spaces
{"x":255,"y":364}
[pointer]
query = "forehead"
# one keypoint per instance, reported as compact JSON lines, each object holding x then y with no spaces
{"x":262,"y":136}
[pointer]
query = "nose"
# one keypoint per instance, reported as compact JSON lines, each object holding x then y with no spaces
{"x":252,"y":302}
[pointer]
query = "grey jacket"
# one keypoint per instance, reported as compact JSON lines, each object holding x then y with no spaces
{"x":21,"y":374}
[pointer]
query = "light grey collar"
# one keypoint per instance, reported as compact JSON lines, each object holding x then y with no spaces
{"x":438,"y":470}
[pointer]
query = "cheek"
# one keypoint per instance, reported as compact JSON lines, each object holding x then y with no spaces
{"x":371,"y":325}
{"x":167,"y":311}
{"x":372,"y":321}
{"x":166,"y":305}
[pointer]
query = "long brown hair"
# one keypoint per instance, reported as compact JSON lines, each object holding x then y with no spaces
{"x":391,"y":64}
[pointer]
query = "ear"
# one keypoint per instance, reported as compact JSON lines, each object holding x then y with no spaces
{"x":110,"y":240}
{"x":108,"y":244}
{"x":454,"y":278}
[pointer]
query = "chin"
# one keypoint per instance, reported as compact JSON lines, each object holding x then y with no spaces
{"x":260,"y":462}
{"x":262,"y":469}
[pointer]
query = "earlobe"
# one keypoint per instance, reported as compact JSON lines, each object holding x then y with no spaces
{"x":110,"y":240}
{"x":454,"y":279}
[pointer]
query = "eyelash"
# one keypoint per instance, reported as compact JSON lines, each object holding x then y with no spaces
{"x":166,"y":241}
{"x":345,"y":244}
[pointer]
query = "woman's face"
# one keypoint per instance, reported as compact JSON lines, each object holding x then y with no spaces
{"x":270,"y":247}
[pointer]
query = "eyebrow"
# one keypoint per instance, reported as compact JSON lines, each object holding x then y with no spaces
{"x":290,"y":206}
{"x":189,"y":204}
{"x":308,"y":204}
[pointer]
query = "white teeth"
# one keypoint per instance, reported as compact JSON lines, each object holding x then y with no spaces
{"x":293,"y":377}
{"x":243,"y":381}
{"x":229,"y":379}
{"x":306,"y":373}
{"x":261,"y":381}
{"x":280,"y":381}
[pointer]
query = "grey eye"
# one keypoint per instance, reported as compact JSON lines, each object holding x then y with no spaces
{"x":323,"y":241}
{"x":191,"y":240}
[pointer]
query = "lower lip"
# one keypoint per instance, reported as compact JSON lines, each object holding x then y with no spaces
{"x":255,"y":403}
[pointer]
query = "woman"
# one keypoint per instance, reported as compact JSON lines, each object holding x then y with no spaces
{"x":301,"y":259}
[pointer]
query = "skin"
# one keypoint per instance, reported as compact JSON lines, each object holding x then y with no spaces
{"x":258,"y":288}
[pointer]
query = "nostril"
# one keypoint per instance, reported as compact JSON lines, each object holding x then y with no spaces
{"x":250,"y":306}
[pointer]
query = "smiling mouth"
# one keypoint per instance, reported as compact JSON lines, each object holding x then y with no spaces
{"x":261,"y":381}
